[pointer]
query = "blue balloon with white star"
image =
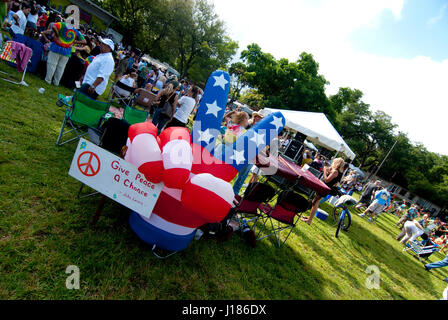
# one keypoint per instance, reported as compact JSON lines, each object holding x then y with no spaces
{"x":209,"y":118}
{"x":211,"y":110}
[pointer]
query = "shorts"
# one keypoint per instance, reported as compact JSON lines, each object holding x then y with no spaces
{"x":365,"y":200}
{"x":376,"y":207}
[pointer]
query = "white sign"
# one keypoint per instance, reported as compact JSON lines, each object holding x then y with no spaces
{"x":115,"y":178}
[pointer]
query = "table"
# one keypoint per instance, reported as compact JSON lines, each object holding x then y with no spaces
{"x":294,"y":173}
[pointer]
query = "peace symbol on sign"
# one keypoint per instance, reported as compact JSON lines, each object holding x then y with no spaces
{"x":89,"y":164}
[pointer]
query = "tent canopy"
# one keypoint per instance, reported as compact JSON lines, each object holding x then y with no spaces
{"x":352,"y":167}
{"x":316,"y":127}
{"x":309,"y":145}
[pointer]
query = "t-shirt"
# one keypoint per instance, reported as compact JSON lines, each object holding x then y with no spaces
{"x":186,"y":106}
{"x":383,"y":197}
{"x":412,"y":213}
{"x":416,"y":231}
{"x":127,"y":81}
{"x":370,"y":188}
{"x":101,"y":67}
{"x":64,"y":41}
{"x":158,"y":86}
{"x":33,"y":19}
{"x":19,"y":29}
{"x":42,"y":21}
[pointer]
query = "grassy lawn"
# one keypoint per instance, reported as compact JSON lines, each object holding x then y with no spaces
{"x":44,"y":228}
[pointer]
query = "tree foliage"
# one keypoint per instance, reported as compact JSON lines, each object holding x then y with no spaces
{"x":284,"y":84}
{"x":187,"y":34}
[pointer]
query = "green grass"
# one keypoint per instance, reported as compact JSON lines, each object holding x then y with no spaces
{"x":44,"y":228}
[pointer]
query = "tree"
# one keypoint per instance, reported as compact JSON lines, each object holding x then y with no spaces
{"x":238,"y":72}
{"x":365,"y":132}
{"x":284,"y":84}
{"x":187,"y":34}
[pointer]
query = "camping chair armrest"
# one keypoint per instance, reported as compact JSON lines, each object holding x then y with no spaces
{"x":61,"y":103}
{"x":68,"y":111}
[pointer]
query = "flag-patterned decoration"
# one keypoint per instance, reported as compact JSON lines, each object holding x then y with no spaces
{"x":198,"y":190}
{"x":211,"y":110}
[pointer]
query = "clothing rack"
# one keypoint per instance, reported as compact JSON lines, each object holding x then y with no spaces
{"x":5,"y":54}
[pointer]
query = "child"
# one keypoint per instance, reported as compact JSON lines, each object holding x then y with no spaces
{"x":237,"y":127}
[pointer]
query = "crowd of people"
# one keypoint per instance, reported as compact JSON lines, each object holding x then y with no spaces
{"x":86,"y":60}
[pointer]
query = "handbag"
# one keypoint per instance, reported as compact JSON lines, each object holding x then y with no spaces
{"x":167,"y":109}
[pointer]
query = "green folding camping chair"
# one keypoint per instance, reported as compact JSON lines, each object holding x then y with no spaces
{"x":83,"y":113}
{"x":133,"y":116}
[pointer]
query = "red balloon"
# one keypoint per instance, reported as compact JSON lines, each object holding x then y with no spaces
{"x":177,"y":156}
{"x":210,"y":197}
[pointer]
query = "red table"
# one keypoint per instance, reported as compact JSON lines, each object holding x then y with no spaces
{"x":292,"y":172}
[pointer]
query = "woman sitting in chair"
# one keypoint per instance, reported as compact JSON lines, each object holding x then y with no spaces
{"x":332,"y":176}
{"x":129,"y":80}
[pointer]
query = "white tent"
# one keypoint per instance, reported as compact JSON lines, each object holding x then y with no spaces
{"x":316,"y":127}
{"x":311,"y":146}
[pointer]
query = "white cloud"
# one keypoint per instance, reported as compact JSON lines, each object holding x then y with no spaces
{"x":412,"y":91}
{"x":439,"y":17}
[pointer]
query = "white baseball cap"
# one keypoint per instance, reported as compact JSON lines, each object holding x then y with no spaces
{"x":108,"y":42}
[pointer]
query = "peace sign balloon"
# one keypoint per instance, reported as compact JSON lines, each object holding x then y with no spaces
{"x":197,"y":182}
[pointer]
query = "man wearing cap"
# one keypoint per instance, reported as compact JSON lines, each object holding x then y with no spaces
{"x":61,"y":50}
{"x":98,"y":73}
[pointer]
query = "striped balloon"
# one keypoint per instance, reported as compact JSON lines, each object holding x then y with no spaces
{"x":197,"y":187}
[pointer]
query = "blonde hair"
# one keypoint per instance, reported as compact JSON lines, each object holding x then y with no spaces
{"x":240,"y":117}
{"x":168,"y":90}
{"x":338,"y":164}
{"x":162,"y":79}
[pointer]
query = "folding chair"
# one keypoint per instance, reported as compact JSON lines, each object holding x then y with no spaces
{"x":5,"y":54}
{"x":133,"y":116}
{"x":421,"y":249}
{"x":145,"y":99}
{"x":253,"y":202}
{"x":84,"y":112}
{"x":286,"y":213}
{"x":121,"y":93}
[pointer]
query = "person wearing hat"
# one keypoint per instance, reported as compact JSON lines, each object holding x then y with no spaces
{"x":256,"y":117}
{"x":243,"y":174}
{"x":98,"y":73}
{"x":61,"y":49}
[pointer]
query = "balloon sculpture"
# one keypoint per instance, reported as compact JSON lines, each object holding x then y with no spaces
{"x":197,"y":187}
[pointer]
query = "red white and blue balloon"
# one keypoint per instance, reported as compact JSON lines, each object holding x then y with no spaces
{"x":197,"y":187}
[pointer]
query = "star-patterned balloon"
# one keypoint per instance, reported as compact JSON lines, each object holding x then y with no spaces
{"x":198,"y":190}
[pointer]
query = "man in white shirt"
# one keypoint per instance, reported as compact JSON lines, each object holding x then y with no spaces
{"x":98,"y":73}
{"x":20,"y":20}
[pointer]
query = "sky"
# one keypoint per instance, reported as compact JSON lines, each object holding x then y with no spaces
{"x":394,"y":51}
